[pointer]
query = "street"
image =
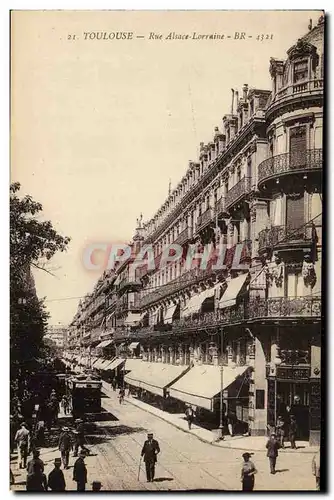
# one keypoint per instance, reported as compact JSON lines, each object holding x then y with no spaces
{"x":185,"y":463}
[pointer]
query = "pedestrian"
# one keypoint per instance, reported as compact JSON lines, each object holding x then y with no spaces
{"x":189,"y":416}
{"x":64,"y":404}
{"x":56,"y":480}
{"x":36,"y":479}
{"x":96,"y":486}
{"x":65,"y":446}
{"x":247,"y":473}
{"x":280,"y":430}
{"x":22,"y":440}
{"x":316,"y":469}
{"x":150,"y":451}
{"x":121,"y":395}
{"x":293,"y":432}
{"x":230,"y":423}
{"x":80,"y":472}
{"x":79,"y":434}
{"x":272,"y":446}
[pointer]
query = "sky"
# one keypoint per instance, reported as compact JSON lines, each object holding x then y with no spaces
{"x":99,"y":127}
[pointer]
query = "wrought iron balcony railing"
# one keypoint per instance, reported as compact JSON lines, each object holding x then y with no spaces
{"x":220,"y":206}
{"x":289,"y":163}
{"x":183,"y":236}
{"x":285,"y":307}
{"x":204,"y":219}
{"x":285,"y":236}
{"x":294,"y":357}
{"x":237,"y":192}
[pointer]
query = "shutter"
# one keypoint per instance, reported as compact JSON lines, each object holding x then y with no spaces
{"x":295,"y":213}
{"x":297,"y":147}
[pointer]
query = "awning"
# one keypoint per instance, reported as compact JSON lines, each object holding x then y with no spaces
{"x":202,"y":383}
{"x":132,"y":319}
{"x":97,"y":363}
{"x":104,"y":343}
{"x":132,"y":364}
{"x":115,"y":363}
{"x":229,"y":298}
{"x":117,"y":280}
{"x":105,"y":365}
{"x":154,"y":377}
{"x":133,"y":345}
{"x":194,"y":304}
{"x":168,"y":316}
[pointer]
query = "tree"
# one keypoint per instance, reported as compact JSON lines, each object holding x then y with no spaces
{"x":33,"y":242}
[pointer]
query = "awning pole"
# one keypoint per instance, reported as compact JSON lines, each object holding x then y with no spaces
{"x":221,"y":385}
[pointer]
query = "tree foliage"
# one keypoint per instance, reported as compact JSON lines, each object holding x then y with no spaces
{"x":33,"y":242}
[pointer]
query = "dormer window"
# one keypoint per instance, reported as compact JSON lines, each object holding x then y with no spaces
{"x":300,"y":71}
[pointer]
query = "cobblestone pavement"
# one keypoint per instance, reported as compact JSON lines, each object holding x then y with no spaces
{"x":185,"y":463}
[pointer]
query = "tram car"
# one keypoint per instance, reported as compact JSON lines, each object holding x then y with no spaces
{"x":85,"y":393}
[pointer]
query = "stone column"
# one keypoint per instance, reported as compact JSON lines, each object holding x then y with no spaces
{"x":229,"y":354}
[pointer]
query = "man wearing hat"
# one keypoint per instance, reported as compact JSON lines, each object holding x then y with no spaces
{"x":65,"y":445}
{"x":22,"y":439}
{"x":150,"y":451}
{"x":247,"y":473}
{"x":56,"y":480}
{"x":80,"y":472}
{"x":272,"y":446}
{"x":79,"y":437}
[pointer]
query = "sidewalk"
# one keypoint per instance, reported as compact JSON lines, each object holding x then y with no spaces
{"x":248,"y":443}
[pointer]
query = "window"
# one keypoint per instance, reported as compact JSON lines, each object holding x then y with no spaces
{"x":300,"y":71}
{"x":238,"y":174}
{"x":215,"y":196}
{"x":297,"y":147}
{"x":295,"y":214}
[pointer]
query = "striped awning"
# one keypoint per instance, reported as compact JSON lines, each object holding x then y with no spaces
{"x":232,"y":291}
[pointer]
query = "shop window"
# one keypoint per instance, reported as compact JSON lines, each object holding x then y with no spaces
{"x":300,"y":71}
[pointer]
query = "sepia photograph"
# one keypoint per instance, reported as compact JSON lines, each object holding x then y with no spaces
{"x":166,"y":207}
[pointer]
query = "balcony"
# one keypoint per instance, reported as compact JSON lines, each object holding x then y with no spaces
{"x":282,"y":237}
{"x":227,"y":316}
{"x":237,"y":192}
{"x":289,"y":163}
{"x":204,"y":219}
{"x":183,"y":237}
{"x":129,"y":284}
{"x":309,"y":86}
{"x":285,"y":307}
{"x":220,"y":206}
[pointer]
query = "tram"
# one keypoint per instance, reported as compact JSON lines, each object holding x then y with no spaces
{"x":85,"y":392}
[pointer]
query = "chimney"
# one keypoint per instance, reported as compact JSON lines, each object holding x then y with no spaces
{"x":236,"y":99}
{"x":245,"y":91}
{"x":232,"y":107}
{"x":310,"y":25}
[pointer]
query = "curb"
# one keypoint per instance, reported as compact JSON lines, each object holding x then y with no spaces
{"x":212,"y":443}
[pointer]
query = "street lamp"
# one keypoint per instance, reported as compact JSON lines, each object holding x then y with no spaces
{"x":221,"y":407}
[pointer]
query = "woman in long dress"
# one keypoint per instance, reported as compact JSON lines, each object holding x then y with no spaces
{"x":247,"y":473}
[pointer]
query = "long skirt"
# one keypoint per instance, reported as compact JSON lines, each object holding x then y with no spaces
{"x":248,"y":483}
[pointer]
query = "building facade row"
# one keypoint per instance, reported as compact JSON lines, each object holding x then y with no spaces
{"x":256,"y":189}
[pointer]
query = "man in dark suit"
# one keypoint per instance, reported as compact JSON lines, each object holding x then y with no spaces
{"x":272,"y":446}
{"x":80,"y":472}
{"x":149,"y":452}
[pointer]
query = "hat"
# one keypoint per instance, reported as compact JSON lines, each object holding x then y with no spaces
{"x":247,"y":455}
{"x":150,"y":433}
{"x":273,"y":434}
{"x":66,"y":429}
{"x":57,"y":460}
{"x":82,"y":453}
{"x":97,"y":484}
{"x":23,"y":424}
